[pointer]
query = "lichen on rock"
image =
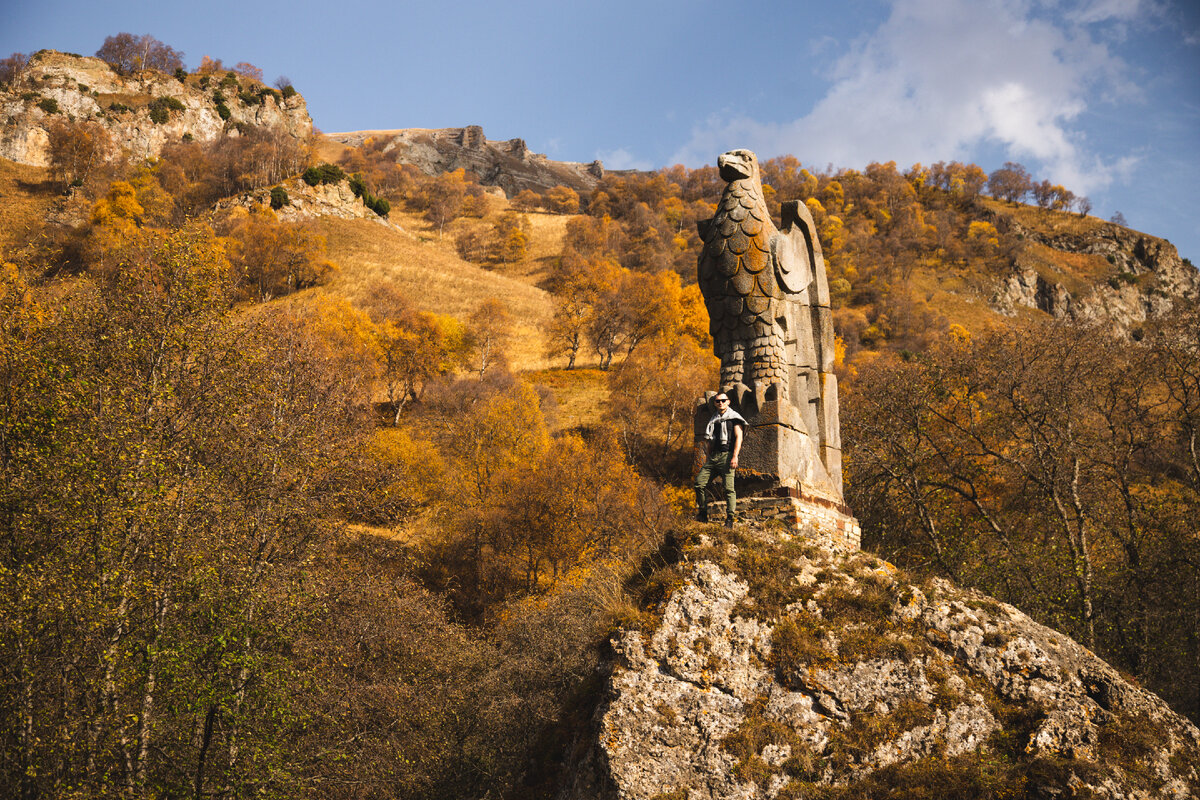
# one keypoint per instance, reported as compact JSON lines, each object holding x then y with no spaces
{"x":779,"y":670}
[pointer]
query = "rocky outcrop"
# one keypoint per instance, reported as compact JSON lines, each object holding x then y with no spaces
{"x":781,"y":670}
{"x":84,"y":88}
{"x":1147,"y":276}
{"x":507,"y":164}
{"x":306,"y":202}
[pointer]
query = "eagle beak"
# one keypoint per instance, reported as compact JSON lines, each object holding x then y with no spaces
{"x":732,"y":166}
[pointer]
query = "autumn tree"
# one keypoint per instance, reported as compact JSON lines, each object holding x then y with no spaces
{"x":209,"y":65}
{"x":526,"y":200}
{"x":77,"y":150}
{"x":1010,"y":182}
{"x":248,"y":70}
{"x":275,"y":257}
{"x":11,"y":68}
{"x":652,"y":394}
{"x":577,"y":499}
{"x":510,"y":237}
{"x":562,"y":200}
{"x":572,"y":307}
{"x":442,"y":197}
{"x":414,"y":347}
{"x":185,"y":461}
{"x":490,"y":331}
{"x":127,"y":53}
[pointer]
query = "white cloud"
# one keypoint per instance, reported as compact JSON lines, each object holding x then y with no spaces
{"x":622,"y":159}
{"x":940,"y":79}
{"x":1106,"y":10}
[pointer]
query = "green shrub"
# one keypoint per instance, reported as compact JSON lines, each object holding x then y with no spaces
{"x":325,"y":173}
{"x":28,"y":96}
{"x":187,"y":137}
{"x":204,"y":81}
{"x":49,"y":105}
{"x":223,"y":111}
{"x":266,"y":91}
{"x":83,"y":87}
{"x":279,"y":197}
{"x":161,"y":108}
{"x":379,"y":205}
{"x":357,"y":185}
{"x":118,"y":108}
{"x":289,"y":91}
{"x":181,"y":74}
{"x":250,"y":98}
{"x":230,"y":80}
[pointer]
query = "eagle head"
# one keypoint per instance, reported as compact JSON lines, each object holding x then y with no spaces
{"x":738,"y":164}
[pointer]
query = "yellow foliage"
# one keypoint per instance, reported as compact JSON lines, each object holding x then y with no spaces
{"x":984,"y":233}
{"x":414,"y":467}
{"x":120,"y":204}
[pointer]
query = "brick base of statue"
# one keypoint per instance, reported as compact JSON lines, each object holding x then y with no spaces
{"x":827,"y":524}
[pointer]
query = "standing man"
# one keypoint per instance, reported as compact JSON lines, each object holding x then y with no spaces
{"x":722,"y":443}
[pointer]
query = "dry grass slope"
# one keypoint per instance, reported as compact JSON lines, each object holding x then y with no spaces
{"x":25,"y":200}
{"x":429,"y":272}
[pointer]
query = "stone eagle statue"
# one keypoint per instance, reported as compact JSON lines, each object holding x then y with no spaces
{"x":747,"y":269}
{"x":769,"y":315}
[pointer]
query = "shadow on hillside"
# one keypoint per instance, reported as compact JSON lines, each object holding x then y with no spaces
{"x":46,"y":188}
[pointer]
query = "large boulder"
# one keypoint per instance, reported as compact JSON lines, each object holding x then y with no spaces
{"x":778,"y":669}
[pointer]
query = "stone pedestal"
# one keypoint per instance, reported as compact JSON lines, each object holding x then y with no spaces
{"x":827,"y":524}
{"x":778,"y":451}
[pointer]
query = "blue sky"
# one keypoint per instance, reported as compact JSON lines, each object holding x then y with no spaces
{"x":1100,"y":95}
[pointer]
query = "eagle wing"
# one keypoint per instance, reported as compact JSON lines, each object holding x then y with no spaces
{"x":794,"y":248}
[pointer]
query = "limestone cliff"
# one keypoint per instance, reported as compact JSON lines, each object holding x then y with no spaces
{"x":1118,"y":275}
{"x":778,"y":669}
{"x":82,"y":88}
{"x":507,"y":164}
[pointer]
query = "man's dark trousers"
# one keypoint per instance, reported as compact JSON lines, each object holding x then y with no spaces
{"x":717,"y":464}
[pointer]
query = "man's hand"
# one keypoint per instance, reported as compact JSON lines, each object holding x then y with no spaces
{"x":733,"y":462}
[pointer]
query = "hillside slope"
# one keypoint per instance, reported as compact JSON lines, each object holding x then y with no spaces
{"x":780,"y":670}
{"x":430,"y":273}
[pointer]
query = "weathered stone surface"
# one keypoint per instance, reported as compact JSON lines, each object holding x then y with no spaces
{"x":59,"y":77}
{"x":770,"y":318}
{"x":890,"y":675}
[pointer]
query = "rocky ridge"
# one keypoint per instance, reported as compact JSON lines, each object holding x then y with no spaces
{"x":507,"y":164}
{"x":86,"y":88}
{"x":1149,"y":276}
{"x":777,"y":669}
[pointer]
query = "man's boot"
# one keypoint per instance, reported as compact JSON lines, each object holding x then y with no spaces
{"x":702,"y":513}
{"x":729,"y":521}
